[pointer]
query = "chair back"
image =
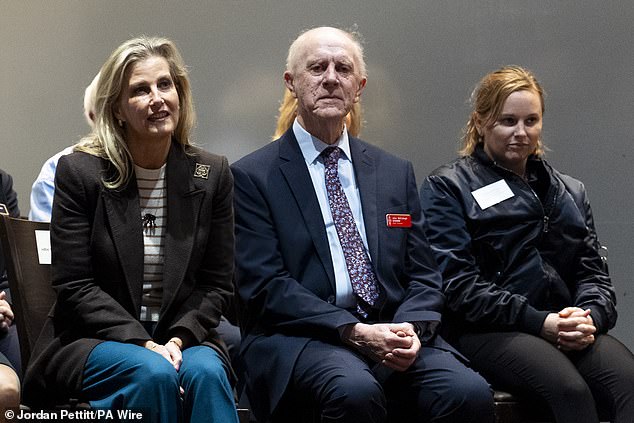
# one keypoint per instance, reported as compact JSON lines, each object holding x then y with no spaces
{"x":30,"y":282}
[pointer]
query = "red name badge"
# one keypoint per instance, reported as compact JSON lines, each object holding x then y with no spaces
{"x":398,"y":220}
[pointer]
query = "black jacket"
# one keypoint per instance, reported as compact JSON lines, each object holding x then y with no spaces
{"x":97,"y":265}
{"x":507,"y":266}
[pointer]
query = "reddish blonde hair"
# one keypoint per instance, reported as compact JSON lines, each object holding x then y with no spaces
{"x":488,"y":100}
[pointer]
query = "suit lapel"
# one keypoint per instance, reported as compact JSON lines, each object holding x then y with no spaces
{"x":124,"y":216}
{"x":183,"y":209}
{"x":365,"y":174}
{"x":294,"y":169}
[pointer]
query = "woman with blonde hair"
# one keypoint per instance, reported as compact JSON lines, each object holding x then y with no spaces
{"x":142,"y":253}
{"x":529,"y":298}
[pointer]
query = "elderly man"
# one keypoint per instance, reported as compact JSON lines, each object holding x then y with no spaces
{"x":340,"y":293}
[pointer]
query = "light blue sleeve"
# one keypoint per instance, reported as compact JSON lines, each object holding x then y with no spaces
{"x":43,"y":189}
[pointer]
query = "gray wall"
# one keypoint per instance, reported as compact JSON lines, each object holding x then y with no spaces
{"x":424,"y":58}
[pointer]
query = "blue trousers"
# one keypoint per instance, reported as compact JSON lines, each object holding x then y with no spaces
{"x":339,"y":385}
{"x":122,"y":376}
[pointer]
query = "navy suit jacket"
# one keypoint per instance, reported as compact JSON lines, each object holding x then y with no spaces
{"x":284,"y":272}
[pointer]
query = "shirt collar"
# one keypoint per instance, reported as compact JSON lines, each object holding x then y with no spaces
{"x":312,"y":147}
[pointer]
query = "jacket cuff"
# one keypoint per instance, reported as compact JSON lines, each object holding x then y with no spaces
{"x":426,"y":331}
{"x":533,"y":320}
{"x":599,"y":319}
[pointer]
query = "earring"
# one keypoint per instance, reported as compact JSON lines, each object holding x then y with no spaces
{"x":120,"y":122}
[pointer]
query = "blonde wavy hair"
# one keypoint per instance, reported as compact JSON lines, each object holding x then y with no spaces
{"x":488,"y":100}
{"x":107,"y":140}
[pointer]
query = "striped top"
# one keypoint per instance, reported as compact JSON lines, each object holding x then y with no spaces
{"x":153,"y":200}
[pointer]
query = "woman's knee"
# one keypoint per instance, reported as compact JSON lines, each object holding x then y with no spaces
{"x":571,"y":391}
{"x":203,"y":363}
{"x":9,"y":387}
{"x":155,"y":371}
{"x":609,"y":370}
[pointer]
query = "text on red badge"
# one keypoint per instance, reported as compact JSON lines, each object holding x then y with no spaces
{"x":398,"y":220}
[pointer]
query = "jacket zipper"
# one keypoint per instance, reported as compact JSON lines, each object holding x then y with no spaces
{"x":546,"y":217}
{"x":550,"y":211}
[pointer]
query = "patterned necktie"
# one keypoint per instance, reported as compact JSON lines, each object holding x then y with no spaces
{"x":362,"y":277}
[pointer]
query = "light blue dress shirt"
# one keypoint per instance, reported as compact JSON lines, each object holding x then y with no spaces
{"x":43,"y":189}
{"x":311,"y":148}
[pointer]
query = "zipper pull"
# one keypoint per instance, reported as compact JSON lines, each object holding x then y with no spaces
{"x":546,"y":224}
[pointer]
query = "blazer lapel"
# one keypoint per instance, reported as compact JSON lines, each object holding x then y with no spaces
{"x":365,"y":174}
{"x":294,"y":170}
{"x":124,"y":216}
{"x":183,"y":206}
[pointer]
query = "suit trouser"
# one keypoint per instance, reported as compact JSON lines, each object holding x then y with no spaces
{"x":340,"y":385}
{"x":122,"y":376}
{"x":230,"y":334}
{"x":571,"y":383}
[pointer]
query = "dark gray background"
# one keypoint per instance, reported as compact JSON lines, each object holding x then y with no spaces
{"x":424,"y":58}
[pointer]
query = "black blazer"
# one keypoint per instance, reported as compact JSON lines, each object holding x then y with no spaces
{"x":284,"y":272}
{"x":97,"y":263}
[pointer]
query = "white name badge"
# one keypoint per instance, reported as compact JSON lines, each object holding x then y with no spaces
{"x":492,"y":194}
{"x":43,"y":241}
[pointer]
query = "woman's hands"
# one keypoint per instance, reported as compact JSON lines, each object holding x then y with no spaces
{"x":171,"y":351}
{"x":572,"y":329}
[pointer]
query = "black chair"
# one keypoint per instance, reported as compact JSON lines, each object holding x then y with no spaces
{"x":29,"y":281}
{"x":510,"y":409}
